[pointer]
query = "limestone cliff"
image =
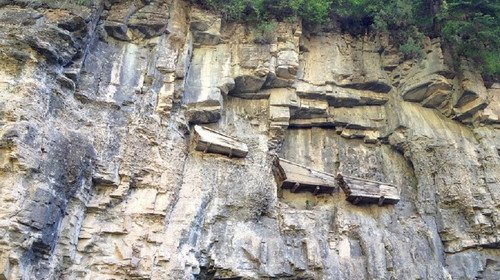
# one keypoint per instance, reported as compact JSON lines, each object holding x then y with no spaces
{"x":99,"y":178}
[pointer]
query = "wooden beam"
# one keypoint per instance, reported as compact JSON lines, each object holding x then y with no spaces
{"x":206,"y":148}
{"x":356,"y":200}
{"x":316,"y":190}
{"x":295,"y":187}
{"x":381,"y":201}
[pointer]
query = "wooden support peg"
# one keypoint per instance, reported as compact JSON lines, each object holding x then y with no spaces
{"x":295,"y":187}
{"x":381,"y":200}
{"x":356,"y":200}
{"x":206,"y":149}
{"x":316,"y":190}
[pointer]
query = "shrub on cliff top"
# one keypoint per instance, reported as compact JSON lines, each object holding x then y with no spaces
{"x":264,"y":10}
{"x":472,"y":28}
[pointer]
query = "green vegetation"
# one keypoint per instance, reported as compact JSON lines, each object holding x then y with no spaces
{"x":265,"y":10}
{"x":468,"y":27}
{"x":411,"y":49}
{"x":473,"y":28}
{"x":263,"y":33}
{"x":140,"y":16}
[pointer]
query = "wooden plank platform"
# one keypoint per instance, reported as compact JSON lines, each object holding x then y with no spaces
{"x":363,"y":191}
{"x":299,"y":178}
{"x":211,"y":141}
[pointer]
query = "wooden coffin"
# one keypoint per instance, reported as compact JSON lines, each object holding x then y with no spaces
{"x":362,"y":191}
{"x":299,"y":178}
{"x":210,"y":141}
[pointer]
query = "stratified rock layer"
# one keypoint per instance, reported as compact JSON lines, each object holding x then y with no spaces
{"x":100,"y":179}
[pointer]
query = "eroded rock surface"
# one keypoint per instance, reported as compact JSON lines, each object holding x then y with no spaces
{"x":100,"y":179}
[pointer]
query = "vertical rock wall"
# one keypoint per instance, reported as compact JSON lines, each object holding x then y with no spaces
{"x":100,"y":179}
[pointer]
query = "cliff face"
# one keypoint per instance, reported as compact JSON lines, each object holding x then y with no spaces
{"x":99,"y":178}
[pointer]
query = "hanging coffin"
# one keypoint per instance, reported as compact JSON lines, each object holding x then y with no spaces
{"x":210,"y":141}
{"x":299,"y":178}
{"x":362,"y":191}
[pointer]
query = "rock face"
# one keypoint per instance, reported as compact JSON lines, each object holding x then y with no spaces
{"x":100,"y":179}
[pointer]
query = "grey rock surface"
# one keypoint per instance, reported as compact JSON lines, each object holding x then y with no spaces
{"x":100,"y":179}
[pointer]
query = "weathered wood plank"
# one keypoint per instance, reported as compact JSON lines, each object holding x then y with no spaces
{"x":362,"y":191}
{"x":211,"y":141}
{"x":299,"y":178}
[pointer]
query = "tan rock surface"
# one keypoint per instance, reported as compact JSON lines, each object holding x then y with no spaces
{"x":100,"y":178}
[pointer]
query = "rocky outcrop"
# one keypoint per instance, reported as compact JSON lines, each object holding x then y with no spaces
{"x":100,"y":176}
